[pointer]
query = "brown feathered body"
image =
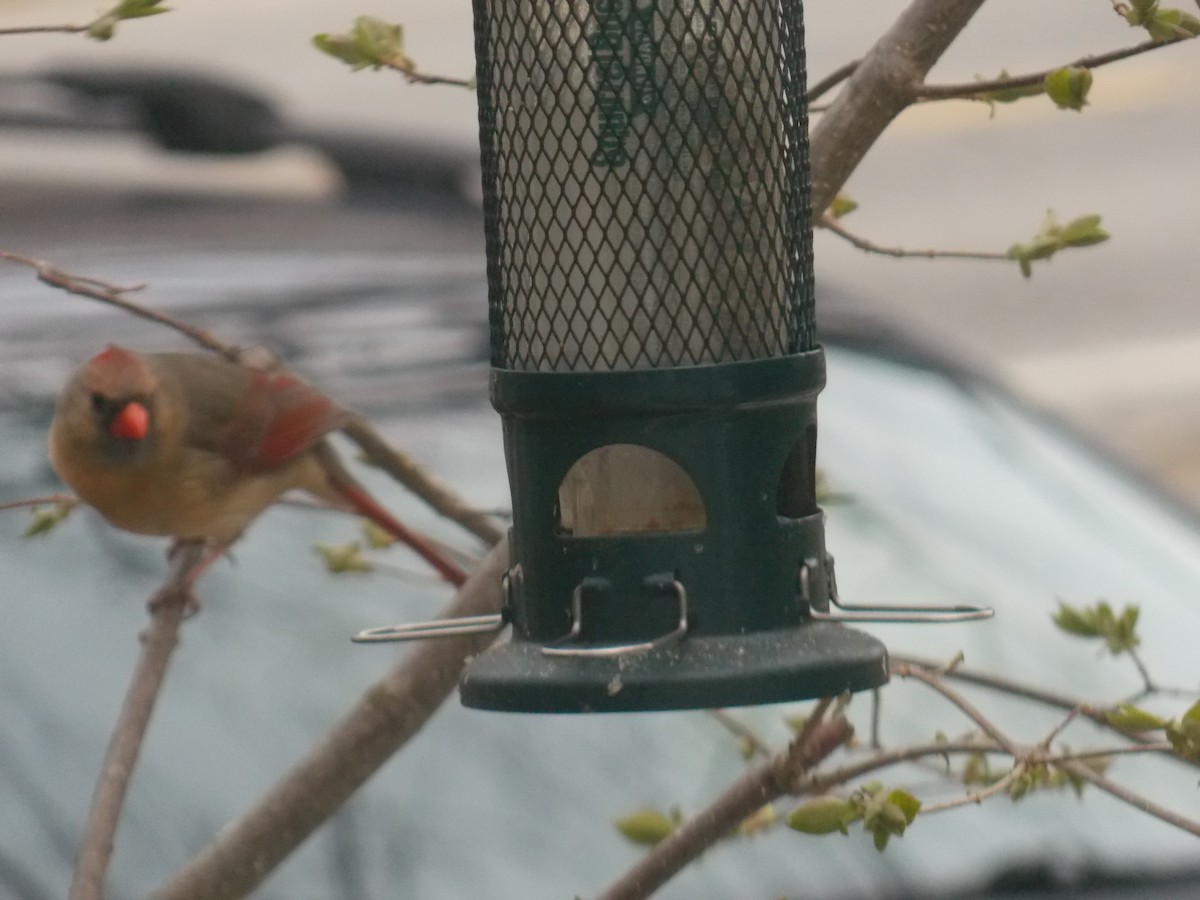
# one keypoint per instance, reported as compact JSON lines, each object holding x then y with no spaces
{"x":195,"y":447}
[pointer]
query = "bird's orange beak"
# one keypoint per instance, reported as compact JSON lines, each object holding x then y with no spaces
{"x":131,"y":423}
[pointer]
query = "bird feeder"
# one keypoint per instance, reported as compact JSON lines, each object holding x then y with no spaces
{"x":654,"y":361}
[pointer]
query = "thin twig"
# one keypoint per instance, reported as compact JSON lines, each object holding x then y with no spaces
{"x":44,"y":29}
{"x":823,"y":782}
{"x":829,"y":223}
{"x":741,"y":731}
{"x":413,"y":76}
{"x":384,"y":718}
{"x":974,"y":798}
{"x":1036,"y":694}
{"x":786,"y":764}
{"x":47,"y":500}
{"x":1147,"y":681}
{"x":832,"y":80}
{"x":167,"y":610}
{"x":113,"y":295}
{"x":1127,"y":750}
{"x":993,"y":682}
{"x":1137,"y":801}
{"x":749,"y":793}
{"x":968,"y":709}
{"x":978,"y":90}
{"x":1061,"y":727}
{"x":435,"y":492}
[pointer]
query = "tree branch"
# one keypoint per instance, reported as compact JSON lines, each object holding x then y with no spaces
{"x":749,"y":793}
{"x":747,"y":738}
{"x":829,"y":223}
{"x":45,"y":29}
{"x":883,"y":85}
{"x":113,"y":295}
{"x":1037,"y":695}
{"x":414,"y":76}
{"x":45,"y":500}
{"x":1137,"y":801}
{"x":435,"y":492}
{"x":967,"y":708}
{"x":832,"y":80}
{"x":978,"y":90}
{"x":974,"y":798}
{"x":385,"y":717}
{"x":822,"y":782}
{"x":167,"y":610}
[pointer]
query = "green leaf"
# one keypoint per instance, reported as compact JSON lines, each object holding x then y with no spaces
{"x":1083,"y":232}
{"x":103,"y":28}
{"x":646,"y":826}
{"x":1189,"y":23}
{"x":1138,"y":12}
{"x":906,"y":803}
{"x":1121,"y":636}
{"x":1068,"y":87}
{"x":976,"y":770}
{"x":1184,"y":733}
{"x":380,"y":39}
{"x":1075,"y":620}
{"x":796,"y":723}
{"x":842,"y":205}
{"x":1128,"y":717}
{"x":376,"y":537}
{"x":757,"y":821}
{"x":105,"y":25}
{"x":1119,"y":631}
{"x":1161,"y":24}
{"x":1193,"y":714}
{"x":343,"y":47}
{"x":1021,"y":785}
{"x":1172,"y":25}
{"x":371,"y":43}
{"x":138,"y":9}
{"x":44,"y":520}
{"x":342,"y":558}
{"x":880,"y":838}
{"x":823,"y":815}
{"x":1017,"y":252}
{"x":1052,"y":237}
{"x":889,"y":815}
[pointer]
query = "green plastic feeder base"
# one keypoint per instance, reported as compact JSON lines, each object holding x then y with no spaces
{"x":818,"y":659}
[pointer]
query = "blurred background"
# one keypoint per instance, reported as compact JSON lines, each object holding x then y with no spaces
{"x":339,"y":223}
{"x":1108,"y":336}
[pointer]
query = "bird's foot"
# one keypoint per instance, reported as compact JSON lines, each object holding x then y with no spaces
{"x":187,"y":582}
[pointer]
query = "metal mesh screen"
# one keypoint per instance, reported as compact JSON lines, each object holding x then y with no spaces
{"x":646,"y":181}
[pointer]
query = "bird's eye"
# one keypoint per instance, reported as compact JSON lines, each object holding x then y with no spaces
{"x":99,"y":403}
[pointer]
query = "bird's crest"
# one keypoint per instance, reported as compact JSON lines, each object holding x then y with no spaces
{"x":117,"y":373}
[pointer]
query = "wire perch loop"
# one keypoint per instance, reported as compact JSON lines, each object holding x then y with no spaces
{"x":856,"y":613}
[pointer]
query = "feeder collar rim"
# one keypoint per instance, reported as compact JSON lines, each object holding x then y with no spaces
{"x":673,"y":389}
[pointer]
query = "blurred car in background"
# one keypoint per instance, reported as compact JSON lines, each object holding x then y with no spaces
{"x":367,"y":274}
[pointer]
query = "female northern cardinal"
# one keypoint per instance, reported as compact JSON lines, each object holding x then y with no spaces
{"x":195,"y":447}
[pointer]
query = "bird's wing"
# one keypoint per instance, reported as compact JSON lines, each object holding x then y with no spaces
{"x":256,"y":420}
{"x":285,"y":416}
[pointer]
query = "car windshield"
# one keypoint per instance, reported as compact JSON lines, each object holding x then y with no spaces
{"x":942,"y":491}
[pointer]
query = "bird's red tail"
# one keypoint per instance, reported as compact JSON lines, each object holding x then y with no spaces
{"x":364,"y":504}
